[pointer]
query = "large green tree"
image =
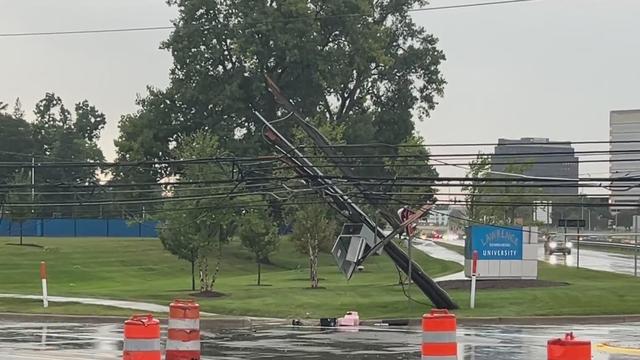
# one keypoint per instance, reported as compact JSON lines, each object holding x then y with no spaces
{"x":60,"y":136}
{"x":412,"y":160}
{"x":362,"y":64}
{"x":17,"y":143}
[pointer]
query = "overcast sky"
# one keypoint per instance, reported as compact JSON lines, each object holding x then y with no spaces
{"x":549,"y":68}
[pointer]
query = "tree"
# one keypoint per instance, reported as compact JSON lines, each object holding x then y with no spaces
{"x":16,"y":145}
{"x":18,"y":199}
{"x":479,"y":171}
{"x":412,"y":159}
{"x":312,"y":231}
{"x":371,"y":73}
{"x":199,"y":228}
{"x":259,"y":235}
{"x":59,"y":136}
{"x":89,"y":121}
{"x":18,"y":113}
{"x":177,"y":241}
{"x":498,"y":204}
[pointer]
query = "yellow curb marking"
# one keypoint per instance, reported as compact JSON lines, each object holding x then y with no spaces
{"x":613,"y":349}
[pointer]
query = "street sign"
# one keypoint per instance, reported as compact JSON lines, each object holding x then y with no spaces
{"x":405,"y":214}
{"x":574,"y":223}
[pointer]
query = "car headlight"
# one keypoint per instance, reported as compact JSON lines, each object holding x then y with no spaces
{"x":553,"y":244}
{"x":569,"y":245}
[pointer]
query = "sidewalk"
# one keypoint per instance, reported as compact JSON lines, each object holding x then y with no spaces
{"x":434,"y":250}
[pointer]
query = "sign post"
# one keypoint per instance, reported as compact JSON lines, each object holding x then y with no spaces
{"x":474,"y":275}
{"x":43,"y":278}
{"x":578,"y":248}
{"x":404,"y":214}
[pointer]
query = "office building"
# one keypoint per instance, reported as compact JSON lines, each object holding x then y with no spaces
{"x":439,"y":217}
{"x":624,"y":134}
{"x":539,"y":157}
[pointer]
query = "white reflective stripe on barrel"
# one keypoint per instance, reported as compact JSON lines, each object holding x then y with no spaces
{"x":448,"y":357}
{"x":186,"y":324}
{"x":183,"y":345}
{"x":439,"y":337}
{"x":141,"y":344}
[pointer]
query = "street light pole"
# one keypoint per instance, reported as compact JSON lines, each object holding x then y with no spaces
{"x":33,"y":183}
{"x":636,"y":218}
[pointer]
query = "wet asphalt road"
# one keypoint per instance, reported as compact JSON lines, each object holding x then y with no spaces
{"x":19,"y":341}
{"x":593,"y":259}
{"x":589,"y":259}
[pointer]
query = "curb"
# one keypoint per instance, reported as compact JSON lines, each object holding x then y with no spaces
{"x":534,"y":320}
{"x":227,"y":323}
{"x":205,"y":324}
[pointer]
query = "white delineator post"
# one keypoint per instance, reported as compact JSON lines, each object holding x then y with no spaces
{"x":43,"y":277}
{"x":474,"y":275}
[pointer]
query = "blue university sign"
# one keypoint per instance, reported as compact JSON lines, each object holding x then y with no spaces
{"x":497,"y":243}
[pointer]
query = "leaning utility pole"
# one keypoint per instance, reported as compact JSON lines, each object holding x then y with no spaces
{"x":344,"y":205}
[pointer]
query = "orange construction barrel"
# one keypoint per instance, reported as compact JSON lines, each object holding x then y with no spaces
{"x":142,"y":338}
{"x":568,"y":349}
{"x":184,"y":331}
{"x":439,"y":341}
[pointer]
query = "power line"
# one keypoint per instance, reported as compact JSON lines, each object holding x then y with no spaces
{"x":365,"y":180}
{"x":528,"y":144}
{"x":262,"y":203}
{"x":273,"y":158}
{"x":460,"y":6}
{"x":159,"y":28}
{"x":88,"y":31}
{"x":267,"y":160}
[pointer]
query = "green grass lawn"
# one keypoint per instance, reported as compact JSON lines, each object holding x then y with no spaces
{"x":135,"y":269}
{"x":589,"y":293}
{"x":139,"y":269}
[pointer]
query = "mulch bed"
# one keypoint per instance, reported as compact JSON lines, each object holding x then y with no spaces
{"x":499,"y":284}
{"x":208,"y":294}
{"x":26,"y":245}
